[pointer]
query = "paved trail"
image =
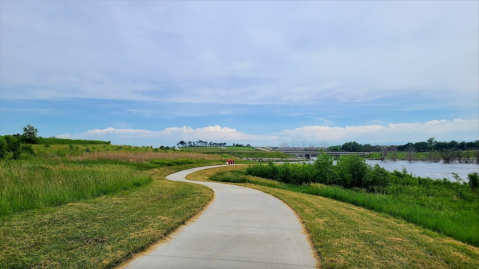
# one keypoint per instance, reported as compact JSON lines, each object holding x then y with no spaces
{"x":241,"y":228}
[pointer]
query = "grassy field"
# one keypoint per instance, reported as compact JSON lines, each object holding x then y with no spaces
{"x":100,"y":232}
{"x":239,"y":152}
{"x":30,"y":185}
{"x":70,"y":208}
{"x":348,"y":236}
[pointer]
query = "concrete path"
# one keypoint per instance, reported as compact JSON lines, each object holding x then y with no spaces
{"x":241,"y":228}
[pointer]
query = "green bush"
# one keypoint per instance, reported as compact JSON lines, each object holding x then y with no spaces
{"x":3,"y":148}
{"x":14,"y":146}
{"x":377,"y":177}
{"x":324,"y":165}
{"x":473,"y":180}
{"x":352,"y":171}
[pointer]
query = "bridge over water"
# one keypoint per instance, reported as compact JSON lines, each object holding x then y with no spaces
{"x":309,"y":154}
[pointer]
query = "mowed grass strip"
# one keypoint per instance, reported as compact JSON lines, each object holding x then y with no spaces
{"x":100,"y":232}
{"x":347,"y":236}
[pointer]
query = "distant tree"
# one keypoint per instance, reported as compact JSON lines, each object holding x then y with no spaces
{"x":3,"y":148}
{"x":411,"y":154}
{"x":334,"y":148}
{"x":421,"y":146}
{"x":384,"y":151}
{"x":30,"y":134}
{"x":453,"y":145}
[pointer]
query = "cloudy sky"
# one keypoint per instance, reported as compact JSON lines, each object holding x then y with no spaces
{"x":258,"y":72}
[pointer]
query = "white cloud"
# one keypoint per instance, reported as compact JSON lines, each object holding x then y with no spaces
{"x":457,"y":129}
{"x":170,"y":136}
{"x":395,"y":133}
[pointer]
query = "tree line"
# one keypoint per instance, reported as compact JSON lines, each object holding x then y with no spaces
{"x":425,"y":146}
{"x":201,"y":143}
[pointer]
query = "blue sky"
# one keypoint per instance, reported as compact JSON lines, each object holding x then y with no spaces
{"x":258,"y":72}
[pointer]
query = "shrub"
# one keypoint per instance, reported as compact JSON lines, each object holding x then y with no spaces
{"x":325,"y":172}
{"x":352,"y":171}
{"x":377,"y":177}
{"x":14,"y":146}
{"x":3,"y":148}
{"x":473,"y":180}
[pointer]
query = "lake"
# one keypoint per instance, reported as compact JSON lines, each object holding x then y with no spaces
{"x":433,"y":170}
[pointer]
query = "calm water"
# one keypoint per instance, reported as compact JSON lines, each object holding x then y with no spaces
{"x":432,"y":170}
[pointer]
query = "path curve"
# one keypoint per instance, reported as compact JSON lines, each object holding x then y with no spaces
{"x":241,"y":228}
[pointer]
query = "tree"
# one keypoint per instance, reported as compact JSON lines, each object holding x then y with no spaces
{"x":3,"y":148}
{"x":411,"y":154}
{"x":30,"y":134}
{"x":384,"y":151}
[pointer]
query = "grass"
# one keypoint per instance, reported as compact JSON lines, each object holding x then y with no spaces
{"x":100,"y":232}
{"x":146,"y":156}
{"x":68,"y":208}
{"x":348,"y":236}
{"x":30,"y":185}
{"x":239,"y":152}
{"x":54,"y":140}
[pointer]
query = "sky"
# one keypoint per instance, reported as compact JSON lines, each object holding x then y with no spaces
{"x":251,"y":72}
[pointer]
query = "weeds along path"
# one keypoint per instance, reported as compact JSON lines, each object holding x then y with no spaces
{"x":241,"y":228}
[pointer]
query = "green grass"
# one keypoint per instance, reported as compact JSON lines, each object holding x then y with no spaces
{"x":67,"y":208}
{"x":101,"y":232}
{"x":240,"y":152}
{"x":30,"y":185}
{"x":64,"y":141}
{"x":348,"y":236}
